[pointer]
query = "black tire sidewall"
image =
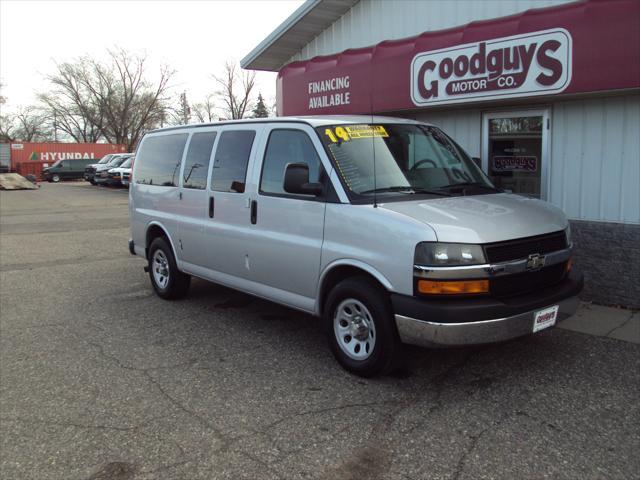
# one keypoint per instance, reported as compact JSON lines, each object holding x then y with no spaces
{"x":171,"y":290}
{"x":386,"y":347}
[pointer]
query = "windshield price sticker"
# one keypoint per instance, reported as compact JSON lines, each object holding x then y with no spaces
{"x":354,"y":132}
{"x":366,"y":131}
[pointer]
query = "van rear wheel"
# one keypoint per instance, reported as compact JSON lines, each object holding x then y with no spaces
{"x":168,"y":282}
{"x":360,"y":328}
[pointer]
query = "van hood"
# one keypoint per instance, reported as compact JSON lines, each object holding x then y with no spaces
{"x":483,"y":218}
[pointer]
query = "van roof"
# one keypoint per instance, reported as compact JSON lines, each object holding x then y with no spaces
{"x":314,"y":121}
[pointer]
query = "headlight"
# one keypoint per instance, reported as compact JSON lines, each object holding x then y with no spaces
{"x":448,"y":254}
{"x":567,"y":232}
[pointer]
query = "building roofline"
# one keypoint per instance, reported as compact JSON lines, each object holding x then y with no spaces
{"x":293,"y":34}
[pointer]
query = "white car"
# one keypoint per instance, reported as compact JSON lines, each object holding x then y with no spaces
{"x":383,"y":227}
{"x":101,"y":175}
{"x":116,"y":176}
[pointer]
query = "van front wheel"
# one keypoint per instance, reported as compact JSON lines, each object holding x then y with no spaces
{"x":360,"y":327}
{"x":168,"y":282}
{"x":55,"y":178}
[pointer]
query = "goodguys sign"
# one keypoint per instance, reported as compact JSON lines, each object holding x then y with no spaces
{"x":583,"y":47}
{"x":537,"y":63}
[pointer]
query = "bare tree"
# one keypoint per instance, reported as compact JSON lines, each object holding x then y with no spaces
{"x":114,"y":98}
{"x":28,"y":124}
{"x":67,"y":117}
{"x":3,"y":99}
{"x":235,"y":90}
{"x":205,"y":111}
{"x":7,"y":129}
{"x":182,"y":114}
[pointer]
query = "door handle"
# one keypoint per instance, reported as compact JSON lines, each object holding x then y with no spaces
{"x":254,"y":212}
{"x":210,"y":207}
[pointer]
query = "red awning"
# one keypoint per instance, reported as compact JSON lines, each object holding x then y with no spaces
{"x":587,"y":46}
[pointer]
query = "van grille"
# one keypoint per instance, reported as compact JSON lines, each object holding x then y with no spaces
{"x":523,"y":247}
{"x":520,"y":283}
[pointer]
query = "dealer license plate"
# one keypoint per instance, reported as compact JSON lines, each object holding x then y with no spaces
{"x":545,"y":318}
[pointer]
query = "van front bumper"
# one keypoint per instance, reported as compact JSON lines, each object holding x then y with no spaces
{"x":483,"y":320}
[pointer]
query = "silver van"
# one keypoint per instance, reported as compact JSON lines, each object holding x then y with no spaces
{"x":385,"y":228}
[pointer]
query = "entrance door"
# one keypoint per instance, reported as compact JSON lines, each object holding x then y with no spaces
{"x":515,"y":150}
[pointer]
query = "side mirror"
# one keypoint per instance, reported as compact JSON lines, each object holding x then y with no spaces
{"x":296,"y":180}
{"x":477,"y":161}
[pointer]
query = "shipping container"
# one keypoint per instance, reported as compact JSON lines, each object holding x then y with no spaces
{"x":49,"y":153}
{"x":30,"y":168}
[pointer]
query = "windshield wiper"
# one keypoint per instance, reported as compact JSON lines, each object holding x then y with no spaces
{"x":473,"y":184}
{"x":407,"y":189}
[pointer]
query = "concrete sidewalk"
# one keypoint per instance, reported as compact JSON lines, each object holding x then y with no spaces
{"x":608,"y":322}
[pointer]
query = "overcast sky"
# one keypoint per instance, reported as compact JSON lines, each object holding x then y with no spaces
{"x":194,"y":37}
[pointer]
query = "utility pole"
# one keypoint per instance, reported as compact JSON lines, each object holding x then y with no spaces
{"x":55,"y":126}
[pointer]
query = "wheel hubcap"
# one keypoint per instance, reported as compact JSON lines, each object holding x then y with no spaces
{"x":160,"y":268}
{"x":354,"y":329}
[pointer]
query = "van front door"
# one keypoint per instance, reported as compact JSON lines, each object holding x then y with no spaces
{"x":287,"y":230}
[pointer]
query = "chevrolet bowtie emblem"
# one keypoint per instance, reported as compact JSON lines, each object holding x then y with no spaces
{"x":535,"y":261}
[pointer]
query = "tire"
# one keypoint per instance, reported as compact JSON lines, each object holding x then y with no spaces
{"x":55,"y":178}
{"x":379,"y":350}
{"x":168,"y":282}
{"x":92,"y":181}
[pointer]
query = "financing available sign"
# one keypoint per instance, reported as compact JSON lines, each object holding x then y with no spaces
{"x":537,"y":63}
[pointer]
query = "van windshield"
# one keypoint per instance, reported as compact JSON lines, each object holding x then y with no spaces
{"x":409,"y":160}
{"x":105,"y":159}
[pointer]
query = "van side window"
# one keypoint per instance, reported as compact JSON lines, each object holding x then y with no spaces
{"x":285,"y":147}
{"x":158,"y":161}
{"x":230,"y":164}
{"x":196,"y":166}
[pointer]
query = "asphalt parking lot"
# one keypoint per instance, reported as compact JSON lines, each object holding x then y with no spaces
{"x":100,"y":379}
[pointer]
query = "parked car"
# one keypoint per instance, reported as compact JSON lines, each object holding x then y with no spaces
{"x":115,"y":175}
{"x":101,"y":174}
{"x":383,"y":227}
{"x":90,"y":170}
{"x":126,"y":175}
{"x":67,"y":169}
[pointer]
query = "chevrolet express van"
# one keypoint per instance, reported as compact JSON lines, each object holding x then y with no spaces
{"x":67,"y":169}
{"x":383,"y":227}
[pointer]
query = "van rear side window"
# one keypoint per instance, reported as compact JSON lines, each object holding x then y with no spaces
{"x":158,"y":161}
{"x":196,"y":165}
{"x":230,"y":164}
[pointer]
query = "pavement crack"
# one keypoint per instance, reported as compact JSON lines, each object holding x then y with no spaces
{"x":179,"y":405}
{"x":323,"y":410}
{"x":81,"y":425}
{"x":621,"y":325}
{"x":119,"y":364}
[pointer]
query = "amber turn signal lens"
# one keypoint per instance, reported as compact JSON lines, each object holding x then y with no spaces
{"x":429,"y":287}
{"x":569,"y":264}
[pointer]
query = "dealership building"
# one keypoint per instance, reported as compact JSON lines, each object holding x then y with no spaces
{"x":546,"y":93}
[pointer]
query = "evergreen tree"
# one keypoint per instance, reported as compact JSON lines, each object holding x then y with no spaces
{"x":260,"y":110}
